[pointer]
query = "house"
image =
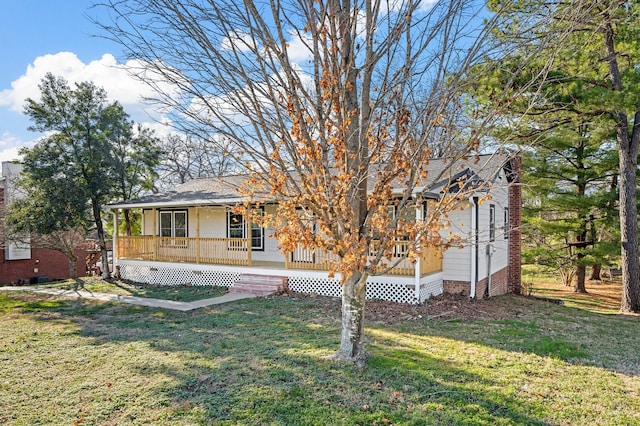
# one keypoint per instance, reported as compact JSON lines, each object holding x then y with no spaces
{"x":192,"y":236}
{"x":20,"y":261}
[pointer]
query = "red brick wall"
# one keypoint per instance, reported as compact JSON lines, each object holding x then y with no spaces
{"x":500,"y":282}
{"x":456,"y":287}
{"x":51,"y":263}
{"x":515,"y":223}
{"x":499,"y":285}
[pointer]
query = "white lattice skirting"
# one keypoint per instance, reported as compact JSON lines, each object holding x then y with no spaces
{"x":391,"y":288}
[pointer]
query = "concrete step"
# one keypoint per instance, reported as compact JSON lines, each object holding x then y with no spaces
{"x":274,"y":279}
{"x":261,"y":285}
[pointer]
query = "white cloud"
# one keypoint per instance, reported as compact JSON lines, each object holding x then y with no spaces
{"x":105,"y":72}
{"x":238,"y":41}
{"x":234,"y":108}
{"x":298,"y":48}
{"x":10,"y":145}
{"x":161,"y":129}
{"x":398,"y":5}
{"x":297,"y":51}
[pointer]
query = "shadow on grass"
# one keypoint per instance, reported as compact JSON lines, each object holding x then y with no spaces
{"x":263,"y":361}
{"x":252,"y":371}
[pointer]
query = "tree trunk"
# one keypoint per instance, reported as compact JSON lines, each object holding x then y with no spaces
{"x":127,"y":222}
{"x":352,"y":336}
{"x":581,"y":245}
{"x":581,"y":237}
{"x":73,"y":271}
{"x":595,"y":272}
{"x":354,"y":122}
{"x":581,"y":273}
{"x":97,"y":217}
{"x":629,"y":233}
{"x":628,"y":144}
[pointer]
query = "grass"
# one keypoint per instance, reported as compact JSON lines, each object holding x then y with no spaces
{"x":602,"y":296}
{"x":264,"y":362}
{"x":175,"y":293}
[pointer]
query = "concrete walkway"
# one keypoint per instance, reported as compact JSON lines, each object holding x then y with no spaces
{"x":134,"y":300}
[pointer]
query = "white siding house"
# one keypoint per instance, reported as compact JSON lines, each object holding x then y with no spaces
{"x":191,"y":236}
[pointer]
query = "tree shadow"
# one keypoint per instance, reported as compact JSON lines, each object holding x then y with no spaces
{"x":264,"y":361}
{"x":78,"y":285}
{"x":573,"y":335}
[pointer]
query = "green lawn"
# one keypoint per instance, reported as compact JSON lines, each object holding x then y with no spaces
{"x":264,"y":362}
{"x":176,"y":293}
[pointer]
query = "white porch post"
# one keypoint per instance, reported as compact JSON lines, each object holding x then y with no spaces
{"x":249,"y":234}
{"x":197,"y":234}
{"x":418,"y":267}
{"x":154,"y":240}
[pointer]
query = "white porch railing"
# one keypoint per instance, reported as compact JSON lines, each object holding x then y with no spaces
{"x":222,"y":251}
{"x":237,"y":252}
{"x":317,"y":259}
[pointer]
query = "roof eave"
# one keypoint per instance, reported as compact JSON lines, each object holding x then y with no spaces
{"x":179,"y":203}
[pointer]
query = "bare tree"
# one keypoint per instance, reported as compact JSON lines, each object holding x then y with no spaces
{"x":67,"y":242}
{"x":331,"y":106}
{"x":185,"y":158}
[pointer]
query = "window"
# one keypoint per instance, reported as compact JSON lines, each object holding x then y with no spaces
{"x":425,"y":209}
{"x":173,"y":223}
{"x":492,"y":222}
{"x":506,"y":223}
{"x":237,"y":228}
{"x":391,"y":211}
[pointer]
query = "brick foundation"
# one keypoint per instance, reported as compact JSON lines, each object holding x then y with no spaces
{"x":456,"y":287}
{"x":499,"y":285}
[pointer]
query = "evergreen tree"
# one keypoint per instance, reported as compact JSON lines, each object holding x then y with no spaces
{"x":566,"y":180}
{"x":590,"y":81}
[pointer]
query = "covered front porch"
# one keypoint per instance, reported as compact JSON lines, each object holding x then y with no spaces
{"x":193,"y":241}
{"x":239,"y":252}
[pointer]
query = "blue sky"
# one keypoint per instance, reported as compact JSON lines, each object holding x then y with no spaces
{"x":37,"y":36}
{"x":58,"y":36}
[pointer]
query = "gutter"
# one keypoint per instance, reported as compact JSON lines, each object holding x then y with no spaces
{"x":185,"y":203}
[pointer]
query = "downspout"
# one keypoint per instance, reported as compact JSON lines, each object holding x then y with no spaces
{"x":490,"y":251}
{"x":475,"y":216}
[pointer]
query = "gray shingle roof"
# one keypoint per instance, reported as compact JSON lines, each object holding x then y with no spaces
{"x":466,"y":173}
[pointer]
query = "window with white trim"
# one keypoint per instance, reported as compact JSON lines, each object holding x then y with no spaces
{"x":506,"y":223}
{"x":237,"y":228}
{"x":401,"y":247}
{"x":492,"y":222}
{"x":173,"y":223}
